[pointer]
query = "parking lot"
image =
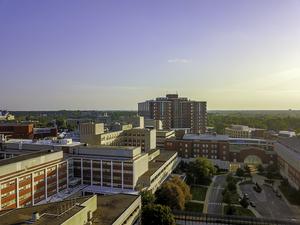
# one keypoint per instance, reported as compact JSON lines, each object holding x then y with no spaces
{"x":267,"y":203}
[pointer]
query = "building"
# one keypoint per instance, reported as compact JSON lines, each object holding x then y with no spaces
{"x":175,"y":112}
{"x":153,"y":124}
{"x":15,"y":147}
{"x":114,"y":169}
{"x":28,"y":179}
{"x":6,"y":116}
{"x":241,"y":131}
{"x":288,"y":151}
{"x":40,"y":133}
{"x":14,"y":130}
{"x":162,"y":136}
{"x":116,"y":209}
{"x":101,"y":169}
{"x":222,"y":150}
{"x":90,"y":133}
{"x":286,"y":134}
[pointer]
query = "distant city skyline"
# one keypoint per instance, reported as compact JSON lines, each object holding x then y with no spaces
{"x":110,"y":55}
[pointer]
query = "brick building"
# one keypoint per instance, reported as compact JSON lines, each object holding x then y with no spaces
{"x":28,"y":179}
{"x":221,"y":149}
{"x":175,"y":112}
{"x":13,"y":130}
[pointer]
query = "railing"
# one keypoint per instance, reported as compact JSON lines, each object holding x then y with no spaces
{"x":194,"y":218}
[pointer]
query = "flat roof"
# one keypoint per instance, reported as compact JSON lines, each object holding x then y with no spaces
{"x":293,"y":143}
{"x":20,"y":158}
{"x":220,"y":137}
{"x":107,"y":147}
{"x":111,"y":207}
{"x":48,"y":212}
{"x":156,"y":163}
{"x":209,"y":137}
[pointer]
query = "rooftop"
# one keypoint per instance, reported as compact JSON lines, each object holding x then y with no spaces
{"x":50,"y":214}
{"x":292,"y":143}
{"x":206,"y":137}
{"x":155,"y":164}
{"x":58,"y":142}
{"x":20,"y":158}
{"x":111,"y":207}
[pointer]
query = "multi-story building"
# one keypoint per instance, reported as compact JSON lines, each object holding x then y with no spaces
{"x":241,"y":131}
{"x":40,"y":133}
{"x":102,"y":169}
{"x":162,"y":136}
{"x":5,"y":115}
{"x":223,"y":150}
{"x":175,"y":112}
{"x":116,"y":209}
{"x":106,"y":169}
{"x":28,"y":179}
{"x":146,"y":138}
{"x":14,"y":130}
{"x":288,"y":151}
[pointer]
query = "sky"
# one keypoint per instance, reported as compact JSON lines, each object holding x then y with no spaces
{"x":108,"y":54}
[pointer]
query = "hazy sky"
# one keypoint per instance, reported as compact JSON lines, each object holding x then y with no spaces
{"x":106,"y":54}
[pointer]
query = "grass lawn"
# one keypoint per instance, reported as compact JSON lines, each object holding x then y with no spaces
{"x":194,"y":207}
{"x":198,"y":193}
{"x":240,"y":211}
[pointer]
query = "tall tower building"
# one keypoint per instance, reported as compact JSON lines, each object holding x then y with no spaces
{"x":176,"y":112}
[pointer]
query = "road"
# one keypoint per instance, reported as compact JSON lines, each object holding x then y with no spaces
{"x":267,"y":203}
{"x":215,"y":197}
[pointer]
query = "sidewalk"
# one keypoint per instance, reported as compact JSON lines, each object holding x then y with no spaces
{"x":205,"y":206}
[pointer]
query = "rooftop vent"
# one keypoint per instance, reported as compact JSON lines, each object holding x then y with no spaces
{"x":35,"y":216}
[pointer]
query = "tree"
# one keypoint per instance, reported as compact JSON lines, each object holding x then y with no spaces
{"x":244,"y":202}
{"x":183,"y":186}
{"x":170,"y":195}
{"x":229,"y":178}
{"x":231,"y":186}
{"x":147,"y":198}
{"x":157,"y":215}
{"x":240,"y":172}
{"x":200,"y":171}
{"x":226,"y":196}
{"x":260,"y":168}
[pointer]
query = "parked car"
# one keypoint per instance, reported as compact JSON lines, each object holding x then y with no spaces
{"x":246,"y":196}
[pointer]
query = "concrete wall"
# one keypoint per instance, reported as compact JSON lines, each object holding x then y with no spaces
{"x":25,"y":164}
{"x":81,"y":218}
{"x":140,"y":166}
{"x":131,"y":214}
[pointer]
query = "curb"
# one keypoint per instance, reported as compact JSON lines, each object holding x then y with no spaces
{"x":205,"y":206}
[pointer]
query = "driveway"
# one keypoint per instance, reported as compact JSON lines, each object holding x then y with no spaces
{"x":267,"y":203}
{"x":215,"y":197}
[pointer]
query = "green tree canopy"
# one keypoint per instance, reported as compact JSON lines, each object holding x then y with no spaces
{"x":240,"y":172}
{"x":170,"y":194}
{"x":183,"y":186}
{"x":200,"y":170}
{"x":157,"y":215}
{"x":147,"y":198}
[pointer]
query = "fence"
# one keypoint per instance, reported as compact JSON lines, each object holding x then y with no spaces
{"x":195,"y":218}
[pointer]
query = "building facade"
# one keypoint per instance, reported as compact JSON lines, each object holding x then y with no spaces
{"x":143,"y":137}
{"x":221,"y":148}
{"x":13,"y":130}
{"x":288,"y":151}
{"x":175,"y":112}
{"x":28,"y":179}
